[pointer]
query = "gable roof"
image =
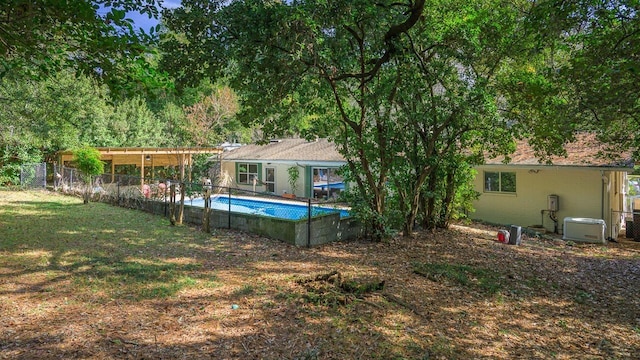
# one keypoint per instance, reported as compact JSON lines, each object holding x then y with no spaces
{"x":287,"y":150}
{"x":585,"y":151}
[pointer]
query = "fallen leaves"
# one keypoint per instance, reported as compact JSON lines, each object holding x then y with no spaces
{"x":446,"y":294}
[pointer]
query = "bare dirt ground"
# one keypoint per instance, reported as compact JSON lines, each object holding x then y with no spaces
{"x":454,"y":294}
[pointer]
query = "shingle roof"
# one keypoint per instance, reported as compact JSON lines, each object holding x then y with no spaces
{"x":287,"y":149}
{"x":586,"y":150}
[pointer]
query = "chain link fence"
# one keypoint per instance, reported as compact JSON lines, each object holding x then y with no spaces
{"x":192,"y":202}
{"x":33,"y":176}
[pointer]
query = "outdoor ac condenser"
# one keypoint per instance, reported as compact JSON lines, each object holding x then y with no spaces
{"x":584,"y":230}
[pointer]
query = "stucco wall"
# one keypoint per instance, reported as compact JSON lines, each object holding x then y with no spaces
{"x":579,"y":191}
{"x":228,"y":169}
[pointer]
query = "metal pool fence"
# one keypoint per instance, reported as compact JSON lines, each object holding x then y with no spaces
{"x":193,"y":202}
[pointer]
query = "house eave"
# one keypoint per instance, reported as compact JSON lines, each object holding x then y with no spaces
{"x":627,"y":169}
{"x":325,"y":163}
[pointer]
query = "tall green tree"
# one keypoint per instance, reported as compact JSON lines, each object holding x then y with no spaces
{"x":134,"y":124}
{"x":402,"y":88}
{"x":583,"y":73}
{"x":40,"y":117}
{"x":53,"y":114}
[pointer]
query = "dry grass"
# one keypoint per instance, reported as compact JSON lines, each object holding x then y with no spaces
{"x":101,"y":282}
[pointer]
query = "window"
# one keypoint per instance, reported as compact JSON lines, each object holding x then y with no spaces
{"x":246,"y":172}
{"x":500,"y":182}
{"x":326,"y":182}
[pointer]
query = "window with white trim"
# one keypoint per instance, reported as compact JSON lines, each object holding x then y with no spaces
{"x":247,"y":172}
{"x":500,"y":181}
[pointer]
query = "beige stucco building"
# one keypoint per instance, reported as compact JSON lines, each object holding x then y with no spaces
{"x":584,"y":184}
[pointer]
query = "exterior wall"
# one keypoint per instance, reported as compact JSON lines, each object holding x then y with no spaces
{"x":304,"y":184}
{"x":228,"y":169}
{"x":582,"y":192}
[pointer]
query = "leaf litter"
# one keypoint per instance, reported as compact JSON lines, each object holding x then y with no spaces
{"x":450,"y":294}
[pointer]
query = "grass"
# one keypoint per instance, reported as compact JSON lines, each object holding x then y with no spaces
{"x":464,"y":275}
{"x":101,"y":282}
{"x":114,"y":253}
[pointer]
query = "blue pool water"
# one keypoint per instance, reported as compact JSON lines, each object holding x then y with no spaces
{"x":280,"y":210}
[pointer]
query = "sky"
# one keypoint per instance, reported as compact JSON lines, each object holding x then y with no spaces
{"x":142,"y":21}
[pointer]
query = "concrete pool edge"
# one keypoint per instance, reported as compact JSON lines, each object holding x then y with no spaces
{"x":322,"y":229}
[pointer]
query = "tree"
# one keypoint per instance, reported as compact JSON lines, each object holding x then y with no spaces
{"x":87,"y":160}
{"x":210,"y":120}
{"x":40,"y":37}
{"x":583,"y":74}
{"x":134,"y":124}
{"x":40,"y":117}
{"x":398,"y":86}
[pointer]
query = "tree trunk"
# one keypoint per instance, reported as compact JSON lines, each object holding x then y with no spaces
{"x":172,"y":204}
{"x":428,"y":220}
{"x":181,"y":211}
{"x":87,"y":192}
{"x":445,"y":213}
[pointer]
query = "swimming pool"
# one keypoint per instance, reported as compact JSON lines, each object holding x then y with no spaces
{"x":281,"y":210}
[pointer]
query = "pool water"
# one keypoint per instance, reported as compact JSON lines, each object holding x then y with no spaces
{"x":280,"y":210}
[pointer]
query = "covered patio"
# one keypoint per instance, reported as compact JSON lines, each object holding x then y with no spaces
{"x":142,"y":158}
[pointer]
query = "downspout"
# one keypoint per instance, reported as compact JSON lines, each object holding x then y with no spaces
{"x":608,"y":224}
{"x":602,"y":196}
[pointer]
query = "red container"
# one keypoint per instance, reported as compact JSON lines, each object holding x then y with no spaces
{"x":503,"y":236}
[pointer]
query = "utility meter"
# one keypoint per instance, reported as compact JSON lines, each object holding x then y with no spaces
{"x":552,"y":203}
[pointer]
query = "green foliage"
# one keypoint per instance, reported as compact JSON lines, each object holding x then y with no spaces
{"x":200,"y":167}
{"x":87,"y":160}
{"x":398,"y":88}
{"x":95,"y":38}
{"x":294,"y":175}
{"x":133,"y":124}
{"x":587,"y":53}
{"x":405,"y":89}
{"x":53,"y":114}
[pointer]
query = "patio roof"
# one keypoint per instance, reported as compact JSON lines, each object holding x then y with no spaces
{"x":150,"y":157}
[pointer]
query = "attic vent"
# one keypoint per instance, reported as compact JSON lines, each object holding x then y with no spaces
{"x":273,"y":141}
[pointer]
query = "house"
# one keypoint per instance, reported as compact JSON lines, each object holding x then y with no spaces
{"x":584,"y":184}
{"x":285,"y":166}
{"x":522,"y":192}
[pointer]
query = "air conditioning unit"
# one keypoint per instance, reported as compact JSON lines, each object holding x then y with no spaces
{"x":584,"y":230}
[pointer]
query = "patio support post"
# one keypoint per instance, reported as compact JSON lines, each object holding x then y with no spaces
{"x":142,"y":172}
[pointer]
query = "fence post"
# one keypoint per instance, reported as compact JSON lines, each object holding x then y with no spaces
{"x":229,"y":212}
{"x":164,"y":199}
{"x":309,"y":223}
{"x":207,"y":208}
{"x":172,"y":204}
